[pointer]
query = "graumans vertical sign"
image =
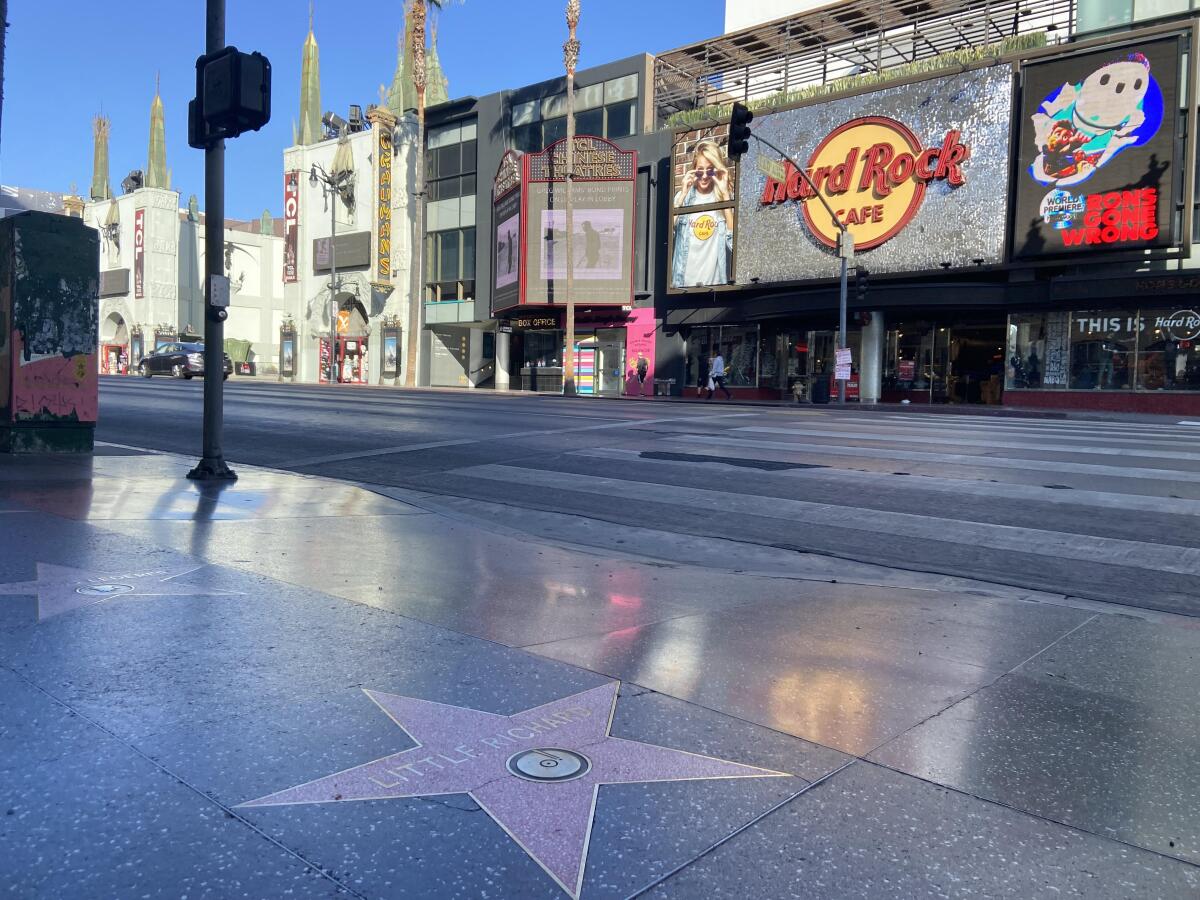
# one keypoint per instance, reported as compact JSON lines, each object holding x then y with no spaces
{"x":383,"y":251}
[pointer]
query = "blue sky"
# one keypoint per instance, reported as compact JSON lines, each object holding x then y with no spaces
{"x":68,"y":59}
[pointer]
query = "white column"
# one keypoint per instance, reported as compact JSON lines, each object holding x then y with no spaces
{"x":502,"y":360}
{"x":474,"y":357}
{"x":870,"y":373}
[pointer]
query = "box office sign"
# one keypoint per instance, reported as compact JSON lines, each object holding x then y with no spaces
{"x":918,"y":173}
{"x":1100,"y":157}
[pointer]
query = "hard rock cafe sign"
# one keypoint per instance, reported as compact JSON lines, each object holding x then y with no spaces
{"x":1181,"y":325}
{"x":873,"y":171}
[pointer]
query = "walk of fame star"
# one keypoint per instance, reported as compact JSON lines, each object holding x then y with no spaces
{"x":60,"y":589}
{"x":536,"y":773}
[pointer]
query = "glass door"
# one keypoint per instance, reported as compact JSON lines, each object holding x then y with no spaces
{"x":942,"y":381}
{"x":610,"y":359}
{"x":821,"y":352}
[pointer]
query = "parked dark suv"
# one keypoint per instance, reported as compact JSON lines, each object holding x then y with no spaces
{"x":180,"y":360}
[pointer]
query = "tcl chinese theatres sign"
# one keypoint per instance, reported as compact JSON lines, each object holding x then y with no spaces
{"x":139,"y":254}
{"x":917,"y":173}
{"x":291,"y":226}
{"x":873,"y":170}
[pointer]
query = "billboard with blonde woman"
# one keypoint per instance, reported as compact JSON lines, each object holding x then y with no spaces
{"x":705,"y":185}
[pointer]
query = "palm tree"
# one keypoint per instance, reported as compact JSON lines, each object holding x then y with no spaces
{"x":570,"y":60}
{"x":416,"y":300}
{"x":3,"y":47}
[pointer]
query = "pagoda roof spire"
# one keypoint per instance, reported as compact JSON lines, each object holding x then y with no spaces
{"x":100,"y":186}
{"x":437,"y":88}
{"x":156,"y":167}
{"x":403,"y":93}
{"x":310,"y":87}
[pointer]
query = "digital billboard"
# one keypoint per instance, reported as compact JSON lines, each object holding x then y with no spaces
{"x":506,"y":217}
{"x":603,"y":199}
{"x":1100,"y":155}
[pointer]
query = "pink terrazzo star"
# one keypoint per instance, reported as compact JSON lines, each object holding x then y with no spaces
{"x":60,"y":589}
{"x":490,"y":758}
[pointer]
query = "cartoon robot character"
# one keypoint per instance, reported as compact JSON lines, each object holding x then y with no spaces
{"x":1081,"y":127}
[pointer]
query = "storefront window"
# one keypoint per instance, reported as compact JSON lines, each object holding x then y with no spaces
{"x":1097,"y":15}
{"x":1103,"y":347}
{"x":543,"y":349}
{"x":909,"y":357}
{"x":768,"y":360}
{"x":738,"y":344}
{"x":1109,"y":350}
{"x":1168,"y":356}
{"x":1038,"y":351}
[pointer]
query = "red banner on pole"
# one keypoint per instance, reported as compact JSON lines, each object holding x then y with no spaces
{"x":139,"y":254}
{"x":291,"y":218}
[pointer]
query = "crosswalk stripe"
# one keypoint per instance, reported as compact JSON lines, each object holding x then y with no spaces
{"x":1173,"y":436}
{"x":978,"y":462}
{"x":954,"y":420}
{"x":856,"y":480}
{"x":965,"y":421}
{"x":460,"y":442}
{"x":1037,"y":446}
{"x":1087,"y":548}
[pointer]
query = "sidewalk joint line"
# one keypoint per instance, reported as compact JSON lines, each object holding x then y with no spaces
{"x":229,"y":811}
{"x":705,"y":852}
{"x":1066,"y":634}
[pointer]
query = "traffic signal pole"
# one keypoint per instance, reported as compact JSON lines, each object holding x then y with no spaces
{"x":212,"y":465}
{"x":233,"y":96}
{"x":845,"y":238}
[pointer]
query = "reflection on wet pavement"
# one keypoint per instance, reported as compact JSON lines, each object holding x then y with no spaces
{"x":1065,"y":737}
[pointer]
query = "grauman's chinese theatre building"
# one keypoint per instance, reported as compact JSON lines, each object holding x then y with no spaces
{"x":1024,"y":212}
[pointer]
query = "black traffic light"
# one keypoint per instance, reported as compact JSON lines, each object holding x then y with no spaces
{"x":860,"y":283}
{"x":739,"y":130}
{"x":233,"y":95}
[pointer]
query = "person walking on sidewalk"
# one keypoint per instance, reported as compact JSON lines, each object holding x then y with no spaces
{"x":716,"y":377}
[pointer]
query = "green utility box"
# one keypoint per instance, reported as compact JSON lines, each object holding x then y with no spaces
{"x":49,"y":286}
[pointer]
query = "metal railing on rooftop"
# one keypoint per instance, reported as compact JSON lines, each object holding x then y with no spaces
{"x":851,"y":38}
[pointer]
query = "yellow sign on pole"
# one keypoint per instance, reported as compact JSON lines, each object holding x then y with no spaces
{"x":772,"y":168}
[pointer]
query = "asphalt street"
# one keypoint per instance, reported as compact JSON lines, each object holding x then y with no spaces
{"x":776,"y":652}
{"x":1099,"y":510}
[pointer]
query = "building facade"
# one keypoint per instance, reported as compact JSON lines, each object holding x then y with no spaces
{"x":1024,"y":230}
{"x":319,"y":294}
{"x":359,"y":280}
{"x":1024,"y":216}
{"x":493,"y":292}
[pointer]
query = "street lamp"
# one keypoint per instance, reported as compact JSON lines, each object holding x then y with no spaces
{"x":331,"y":188}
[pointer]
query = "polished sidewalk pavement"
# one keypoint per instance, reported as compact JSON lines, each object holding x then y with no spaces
{"x":295,"y":686}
